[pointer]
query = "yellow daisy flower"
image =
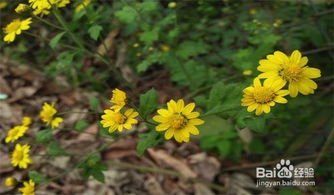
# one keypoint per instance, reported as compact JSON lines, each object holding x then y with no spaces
{"x":10,"y":182}
{"x":116,"y":120}
{"x":26,"y":121}
{"x":43,"y":6}
{"x":118,"y":99}
{"x":261,"y":98}
{"x":47,"y":115}
{"x":82,"y":5}
{"x":21,"y":8}
{"x":20,"y":156}
{"x":178,"y":120}
{"x":28,"y":188}
{"x":15,"y":133}
{"x":290,"y":70}
{"x":15,"y":28}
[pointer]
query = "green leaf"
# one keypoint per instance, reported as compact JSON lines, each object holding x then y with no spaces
{"x":94,"y":103}
{"x":37,"y":177}
{"x":147,"y":140}
{"x":148,"y":103}
{"x":55,"y":40}
{"x":94,"y":31}
{"x":148,"y":37}
{"x":224,"y":147}
{"x":80,"y":125}
{"x":257,"y":146}
{"x":257,"y":124}
{"x":98,"y":175}
{"x":54,"y":149}
{"x":209,"y":142}
{"x":93,"y":166}
{"x":149,"y":60}
{"x":127,"y":14}
{"x":43,"y":136}
{"x":191,"y":48}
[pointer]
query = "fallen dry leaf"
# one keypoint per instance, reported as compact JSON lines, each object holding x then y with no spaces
{"x":182,"y":167}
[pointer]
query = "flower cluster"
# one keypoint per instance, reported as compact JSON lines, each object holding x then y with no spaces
{"x":48,"y":115}
{"x":279,"y":70}
{"x":178,"y":120}
{"x":38,"y":7}
{"x":115,"y":118}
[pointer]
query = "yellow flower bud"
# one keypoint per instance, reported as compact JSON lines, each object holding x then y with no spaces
{"x":10,"y":182}
{"x":172,"y":4}
{"x":165,"y":48}
{"x":26,"y":121}
{"x":247,"y":72}
{"x":21,"y":8}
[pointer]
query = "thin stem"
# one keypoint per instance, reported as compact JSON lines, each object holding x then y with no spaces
{"x":48,"y":23}
{"x":69,"y":112}
{"x":324,"y":147}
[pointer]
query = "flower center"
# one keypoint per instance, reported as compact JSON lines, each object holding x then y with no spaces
{"x":120,"y":118}
{"x":18,"y":155}
{"x":291,"y":73}
{"x":263,"y":95}
{"x":178,"y":121}
{"x":13,"y":26}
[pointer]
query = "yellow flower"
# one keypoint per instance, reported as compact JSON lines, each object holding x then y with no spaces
{"x":165,"y":48}
{"x":47,"y":115}
{"x":20,"y":156}
{"x":43,"y":6}
{"x":178,"y":120}
{"x":278,"y":22}
{"x":10,"y":182}
{"x":15,"y":133}
{"x":28,"y":188}
{"x":21,"y":8}
{"x":116,"y":120}
{"x":135,"y":45}
{"x":247,"y":72}
{"x":252,"y":11}
{"x":26,"y":121}
{"x":290,"y":70}
{"x":82,"y":5}
{"x":260,"y":98}
{"x":15,"y":28}
{"x":118,"y":99}
{"x":171,"y":4}
{"x":3,"y":4}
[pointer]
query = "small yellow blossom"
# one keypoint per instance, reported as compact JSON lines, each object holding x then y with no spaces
{"x":247,"y":72}
{"x":43,"y":6}
{"x":135,"y":45}
{"x":3,"y":4}
{"x":118,"y":99}
{"x":172,"y":4}
{"x":15,"y":28}
{"x":26,"y":121}
{"x":116,"y":120}
{"x":261,"y":98}
{"x":21,"y":8}
{"x":252,"y":11}
{"x":28,"y":188}
{"x":178,"y":120}
{"x":15,"y":133}
{"x":165,"y":48}
{"x":277,"y":23}
{"x":82,"y":5}
{"x":20,"y":156}
{"x":47,"y":115}
{"x":10,"y":182}
{"x":291,"y":70}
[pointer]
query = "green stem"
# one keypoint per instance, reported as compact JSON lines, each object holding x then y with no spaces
{"x":48,"y":23}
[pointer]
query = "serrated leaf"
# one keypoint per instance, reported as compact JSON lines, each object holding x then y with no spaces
{"x":55,"y":40}
{"x":224,"y":147}
{"x":94,"y":31}
{"x":148,"y":37}
{"x":127,"y":14}
{"x":37,"y":177}
{"x":148,"y":103}
{"x":94,"y":103}
{"x":80,"y":125}
{"x":43,"y":136}
{"x":54,"y":149}
{"x":147,"y":140}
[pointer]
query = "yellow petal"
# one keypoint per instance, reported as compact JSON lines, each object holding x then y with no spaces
{"x":172,"y":107}
{"x":164,"y":112}
{"x":293,"y":89}
{"x":192,"y":115}
{"x":193,"y":130}
{"x":266,"y":108}
{"x":188,"y":108}
{"x":257,"y":82}
{"x":280,"y":99}
{"x":162,"y":127}
{"x":195,"y":121}
{"x":311,"y":72}
{"x":252,"y":107}
{"x":169,"y":134}
{"x":259,"y":110}
{"x":160,"y":119}
{"x":295,"y":57}
{"x":303,"y":61}
{"x":180,"y":105}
